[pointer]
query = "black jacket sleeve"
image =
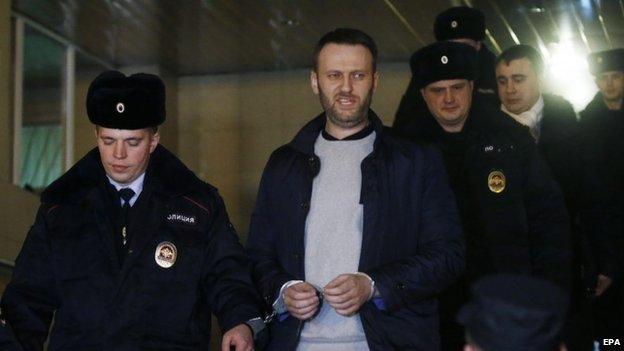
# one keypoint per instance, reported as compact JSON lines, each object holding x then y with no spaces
{"x":549,"y":226}
{"x":440,"y":258}
{"x":231,"y":293}
{"x":600,"y":220}
{"x":31,"y":297}
{"x":8,"y":342}
{"x":262,"y":243}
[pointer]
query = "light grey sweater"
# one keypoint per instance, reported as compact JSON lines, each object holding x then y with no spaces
{"x":333,"y":239}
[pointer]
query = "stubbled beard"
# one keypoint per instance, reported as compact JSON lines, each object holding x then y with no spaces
{"x":359,"y":116}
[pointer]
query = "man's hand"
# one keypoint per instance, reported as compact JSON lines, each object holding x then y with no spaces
{"x":347,"y":293}
{"x":239,"y":337}
{"x":301,"y":300}
{"x":602,"y":284}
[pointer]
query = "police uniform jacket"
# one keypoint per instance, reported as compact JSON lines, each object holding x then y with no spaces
{"x":410,"y":240}
{"x":602,"y":144}
{"x":522,"y":228}
{"x":68,"y":265}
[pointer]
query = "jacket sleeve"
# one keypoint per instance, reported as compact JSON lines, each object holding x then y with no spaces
{"x":600,"y":220}
{"x":548,"y":221}
{"x":268,"y":273}
{"x":440,"y":257}
{"x":231,"y":293}
{"x":8,"y":342}
{"x":31,"y":297}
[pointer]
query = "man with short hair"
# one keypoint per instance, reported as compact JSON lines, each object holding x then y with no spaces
{"x":512,"y":212}
{"x":129,"y":249}
{"x":553,"y":124}
{"x":528,"y":314}
{"x":354,"y":232}
{"x":602,"y":125}
{"x":460,"y":24}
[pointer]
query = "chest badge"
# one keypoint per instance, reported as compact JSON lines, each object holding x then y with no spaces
{"x":166,"y":254}
{"x":496,"y":182}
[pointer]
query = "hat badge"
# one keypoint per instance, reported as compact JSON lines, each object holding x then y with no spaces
{"x":444,"y":59}
{"x":454,"y":24}
{"x":166,"y":254}
{"x":120,"y":107}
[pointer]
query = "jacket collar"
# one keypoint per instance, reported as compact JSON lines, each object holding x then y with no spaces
{"x":597,"y":105}
{"x":306,"y":137}
{"x":558,"y":122}
{"x":165,"y":175}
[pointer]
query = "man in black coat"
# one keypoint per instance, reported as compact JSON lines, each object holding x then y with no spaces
{"x":513,"y":214}
{"x":129,"y":249}
{"x":460,"y":24}
{"x":552,"y":123}
{"x":354,"y":232}
{"x":602,"y":124}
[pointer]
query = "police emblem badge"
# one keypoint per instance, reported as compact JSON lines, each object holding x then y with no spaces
{"x":496,"y":182}
{"x":166,"y":254}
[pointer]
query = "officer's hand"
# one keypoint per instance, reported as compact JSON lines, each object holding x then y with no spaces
{"x":239,"y":338}
{"x":301,"y":300}
{"x":602,"y":284}
{"x":347,"y":293}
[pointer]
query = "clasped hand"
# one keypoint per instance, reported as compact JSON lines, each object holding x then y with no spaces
{"x":346,"y":294}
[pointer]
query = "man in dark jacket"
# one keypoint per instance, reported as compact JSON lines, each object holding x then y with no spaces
{"x":602,"y":125}
{"x":512,"y":212}
{"x":552,"y":123}
{"x":129,"y":249}
{"x":348,"y":214}
{"x":460,"y":24}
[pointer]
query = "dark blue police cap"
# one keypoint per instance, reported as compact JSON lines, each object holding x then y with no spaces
{"x":117,"y":101}
{"x":515,"y":313}
{"x":460,"y":22}
{"x":445,"y":60}
{"x":603,"y":61}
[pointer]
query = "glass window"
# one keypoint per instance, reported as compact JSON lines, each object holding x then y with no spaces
{"x":41,"y":146}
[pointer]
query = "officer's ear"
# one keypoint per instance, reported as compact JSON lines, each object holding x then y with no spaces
{"x":154,"y":140}
{"x":314,"y":82}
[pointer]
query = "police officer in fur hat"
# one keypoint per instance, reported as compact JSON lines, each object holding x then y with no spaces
{"x":460,"y":24}
{"x":129,"y":249}
{"x":512,"y":212}
{"x":510,"y":312}
{"x":602,"y":125}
